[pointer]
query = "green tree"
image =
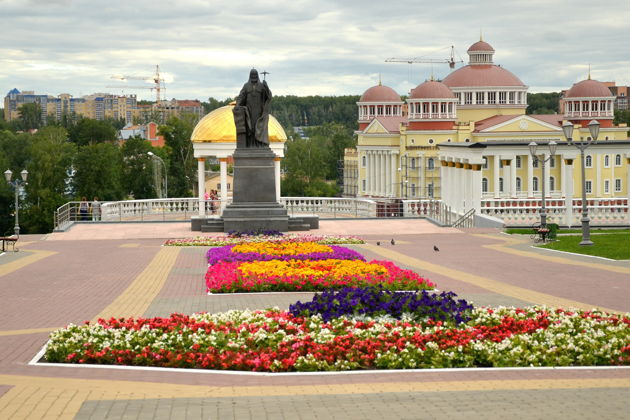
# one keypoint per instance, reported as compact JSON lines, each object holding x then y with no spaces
{"x":30,"y":116}
{"x":543,"y":103}
{"x":99,"y":172}
{"x":89,"y":131}
{"x":622,"y":116}
{"x":181,"y":168}
{"x":51,"y":158}
{"x":138,"y":168}
{"x":332,"y":139}
{"x":213,"y":104}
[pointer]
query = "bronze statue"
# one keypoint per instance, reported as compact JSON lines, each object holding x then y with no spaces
{"x":251,"y":113}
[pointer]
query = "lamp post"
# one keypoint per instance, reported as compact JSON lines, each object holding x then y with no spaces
{"x":16,"y":184}
{"x":154,"y":156}
{"x":404,"y":183}
{"x":582,"y":145}
{"x":552,"y":151}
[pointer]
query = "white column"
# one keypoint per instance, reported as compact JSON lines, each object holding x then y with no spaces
{"x":476,"y":187}
{"x":567,"y":173}
{"x":388,"y":175}
{"x":379,"y":173}
{"x":373,"y":172}
{"x":628,"y":186}
{"x":513,"y":177}
{"x":563,"y":178}
{"x":546,"y":180}
{"x":370,"y":169}
{"x":421,"y":186}
{"x":443,"y":183}
{"x":201,"y":185}
{"x":496,"y":173}
{"x":276,"y":170}
{"x":530,"y":176}
{"x":224,"y":188}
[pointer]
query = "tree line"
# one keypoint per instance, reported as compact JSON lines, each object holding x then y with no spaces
{"x":71,"y":159}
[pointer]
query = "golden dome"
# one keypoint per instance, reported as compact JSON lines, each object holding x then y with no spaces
{"x":218,"y":127}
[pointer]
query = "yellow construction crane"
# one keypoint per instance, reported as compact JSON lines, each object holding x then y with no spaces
{"x":158,"y":84}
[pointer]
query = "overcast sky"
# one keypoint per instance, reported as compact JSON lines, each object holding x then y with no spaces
{"x":205,"y":48}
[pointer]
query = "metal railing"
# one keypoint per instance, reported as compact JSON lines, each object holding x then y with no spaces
{"x":466,"y":221}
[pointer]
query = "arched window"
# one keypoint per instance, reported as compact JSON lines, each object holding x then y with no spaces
{"x":430,"y":164}
{"x":518,"y":161}
{"x":552,"y":183}
{"x":484,"y":185}
{"x":518,"y":183}
{"x":535,"y":183}
{"x":618,"y":160}
{"x":589,"y":161}
{"x":364,"y":161}
{"x":485,"y":163}
{"x":501,"y":184}
{"x":413,"y":163}
{"x":606,"y":161}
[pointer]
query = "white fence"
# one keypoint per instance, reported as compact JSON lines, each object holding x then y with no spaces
{"x":173,"y":209}
{"x":526,"y":212}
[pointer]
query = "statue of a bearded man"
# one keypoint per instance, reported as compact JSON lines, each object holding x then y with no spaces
{"x":251,"y":113}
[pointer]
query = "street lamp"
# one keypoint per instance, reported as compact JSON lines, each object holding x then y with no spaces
{"x":582,"y":145}
{"x":552,"y":151}
{"x":154,"y":156}
{"x":16,"y":184}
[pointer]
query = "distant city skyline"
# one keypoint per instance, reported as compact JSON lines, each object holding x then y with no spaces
{"x":205,"y":49}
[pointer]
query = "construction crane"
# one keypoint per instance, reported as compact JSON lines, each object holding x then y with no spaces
{"x":158,"y":83}
{"x":451,"y":61}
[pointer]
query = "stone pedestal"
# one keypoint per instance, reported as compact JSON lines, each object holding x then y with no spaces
{"x":254,"y":205}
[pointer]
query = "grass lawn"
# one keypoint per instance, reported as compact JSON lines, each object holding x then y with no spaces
{"x":611,"y":245}
{"x":528,"y":231}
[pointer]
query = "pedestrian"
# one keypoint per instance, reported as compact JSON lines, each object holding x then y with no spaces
{"x":96,"y":210}
{"x":84,"y":208}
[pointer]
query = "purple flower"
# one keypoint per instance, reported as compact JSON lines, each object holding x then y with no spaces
{"x":224,"y":253}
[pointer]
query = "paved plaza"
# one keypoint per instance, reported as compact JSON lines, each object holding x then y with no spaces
{"x":103,"y":270}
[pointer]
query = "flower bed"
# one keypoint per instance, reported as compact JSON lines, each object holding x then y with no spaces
{"x":376,"y":301}
{"x":265,"y":251}
{"x":309,"y":275}
{"x":220,"y":240}
{"x":275,"y":341}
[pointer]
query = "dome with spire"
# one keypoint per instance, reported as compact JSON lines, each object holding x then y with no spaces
{"x":380,"y":93}
{"x":431,"y":89}
{"x":588,"y":88}
{"x":480,"y":46}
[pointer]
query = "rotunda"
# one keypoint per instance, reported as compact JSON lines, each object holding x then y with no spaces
{"x":379,"y":101}
{"x":587,"y":100}
{"x":432,"y":105}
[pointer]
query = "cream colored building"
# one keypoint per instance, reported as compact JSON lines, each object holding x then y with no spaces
{"x":465,"y":139}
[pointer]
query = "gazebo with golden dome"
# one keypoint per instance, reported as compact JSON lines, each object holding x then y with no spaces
{"x":215,"y":136}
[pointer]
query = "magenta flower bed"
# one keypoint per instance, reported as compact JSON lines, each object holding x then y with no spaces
{"x":225,"y":254}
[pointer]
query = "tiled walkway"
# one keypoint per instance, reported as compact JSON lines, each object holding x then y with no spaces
{"x":122,"y":270}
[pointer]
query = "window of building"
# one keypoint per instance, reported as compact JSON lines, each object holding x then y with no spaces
{"x":518,"y":184}
{"x":589,"y":161}
{"x":484,"y":185}
{"x":413,"y":190}
{"x":430,"y":164}
{"x":552,"y":162}
{"x":518,"y":162}
{"x":617,"y":160}
{"x":485,"y":163}
{"x":468,"y":97}
{"x":502,"y":97}
{"x":512,"y":97}
{"x":589,"y":187}
{"x":363,"y":161}
{"x":606,"y":161}
{"x":606,"y":186}
{"x":552,"y":183}
{"x":364,"y":185}
{"x":618,"y":185}
{"x":430,"y":190}
{"x":229,"y":187}
{"x":467,"y":140}
{"x":501,"y":184}
{"x":479,"y":97}
{"x":535,"y":183}
{"x":500,"y":162}
{"x":413,"y":163}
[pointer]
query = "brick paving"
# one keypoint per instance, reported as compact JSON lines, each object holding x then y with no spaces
{"x":82,"y":272}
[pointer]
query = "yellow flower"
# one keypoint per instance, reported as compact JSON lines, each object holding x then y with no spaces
{"x":305,"y":268}
{"x":282,"y":248}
